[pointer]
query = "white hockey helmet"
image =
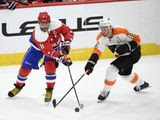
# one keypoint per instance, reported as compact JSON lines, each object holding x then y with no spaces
{"x":105,"y":26}
{"x":105,"y":22}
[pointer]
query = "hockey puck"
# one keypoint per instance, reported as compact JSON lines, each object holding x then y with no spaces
{"x":76,"y":109}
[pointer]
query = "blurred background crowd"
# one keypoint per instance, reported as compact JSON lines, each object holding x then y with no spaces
{"x":12,"y":4}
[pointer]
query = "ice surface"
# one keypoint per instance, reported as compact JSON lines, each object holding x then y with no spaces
{"x":122,"y":104}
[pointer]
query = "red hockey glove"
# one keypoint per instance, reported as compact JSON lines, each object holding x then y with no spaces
{"x":65,"y":60}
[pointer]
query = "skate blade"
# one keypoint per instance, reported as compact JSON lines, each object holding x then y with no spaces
{"x":81,"y":106}
{"x":47,"y":103}
{"x":100,"y":101}
{"x":149,"y":86}
{"x":144,"y":89}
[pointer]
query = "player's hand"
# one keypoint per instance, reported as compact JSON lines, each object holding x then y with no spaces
{"x":65,"y":60}
{"x":89,"y":67}
{"x":122,"y":49}
{"x":65,"y":47}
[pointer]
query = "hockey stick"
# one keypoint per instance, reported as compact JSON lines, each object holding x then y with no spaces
{"x":55,"y":104}
{"x":80,"y":105}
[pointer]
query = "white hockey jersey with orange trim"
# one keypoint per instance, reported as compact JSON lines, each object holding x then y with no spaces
{"x":120,"y":36}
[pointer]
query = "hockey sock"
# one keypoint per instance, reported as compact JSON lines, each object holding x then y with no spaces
{"x":134,"y":79}
{"x":22,"y":76}
{"x":108,"y":84}
{"x":110,"y":77}
{"x":19,"y":84}
{"x":50,"y":85}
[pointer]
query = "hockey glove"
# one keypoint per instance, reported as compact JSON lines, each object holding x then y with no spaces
{"x":91,"y":63}
{"x":122,"y":49}
{"x":65,"y":47}
{"x":65,"y":60}
{"x":89,"y":67}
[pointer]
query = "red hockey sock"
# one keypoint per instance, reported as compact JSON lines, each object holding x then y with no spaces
{"x":24,"y":72}
{"x":22,"y":77}
{"x":19,"y":84}
{"x":50,"y":85}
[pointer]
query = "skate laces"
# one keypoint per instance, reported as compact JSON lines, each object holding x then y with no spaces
{"x":138,"y":88}
{"x":48,"y":94}
{"x":15,"y":91}
{"x":104,"y":93}
{"x":141,"y":87}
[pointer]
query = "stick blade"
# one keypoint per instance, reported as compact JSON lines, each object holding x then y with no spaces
{"x":81,"y":106}
{"x":54,"y":103}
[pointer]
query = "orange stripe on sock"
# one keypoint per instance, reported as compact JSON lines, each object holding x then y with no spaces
{"x":98,"y":52}
{"x":109,"y":83}
{"x":134,"y":80}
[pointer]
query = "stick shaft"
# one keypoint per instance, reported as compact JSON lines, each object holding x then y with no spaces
{"x":70,"y":89}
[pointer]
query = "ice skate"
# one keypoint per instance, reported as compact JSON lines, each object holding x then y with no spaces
{"x":103,"y":95}
{"x":141,"y":87}
{"x":48,"y":95}
{"x":15,"y":91}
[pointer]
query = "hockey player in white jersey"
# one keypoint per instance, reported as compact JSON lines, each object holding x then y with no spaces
{"x":126,"y":47}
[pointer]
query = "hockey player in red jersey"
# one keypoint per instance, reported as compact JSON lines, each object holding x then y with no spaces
{"x":46,"y":42}
{"x":126,"y":47}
